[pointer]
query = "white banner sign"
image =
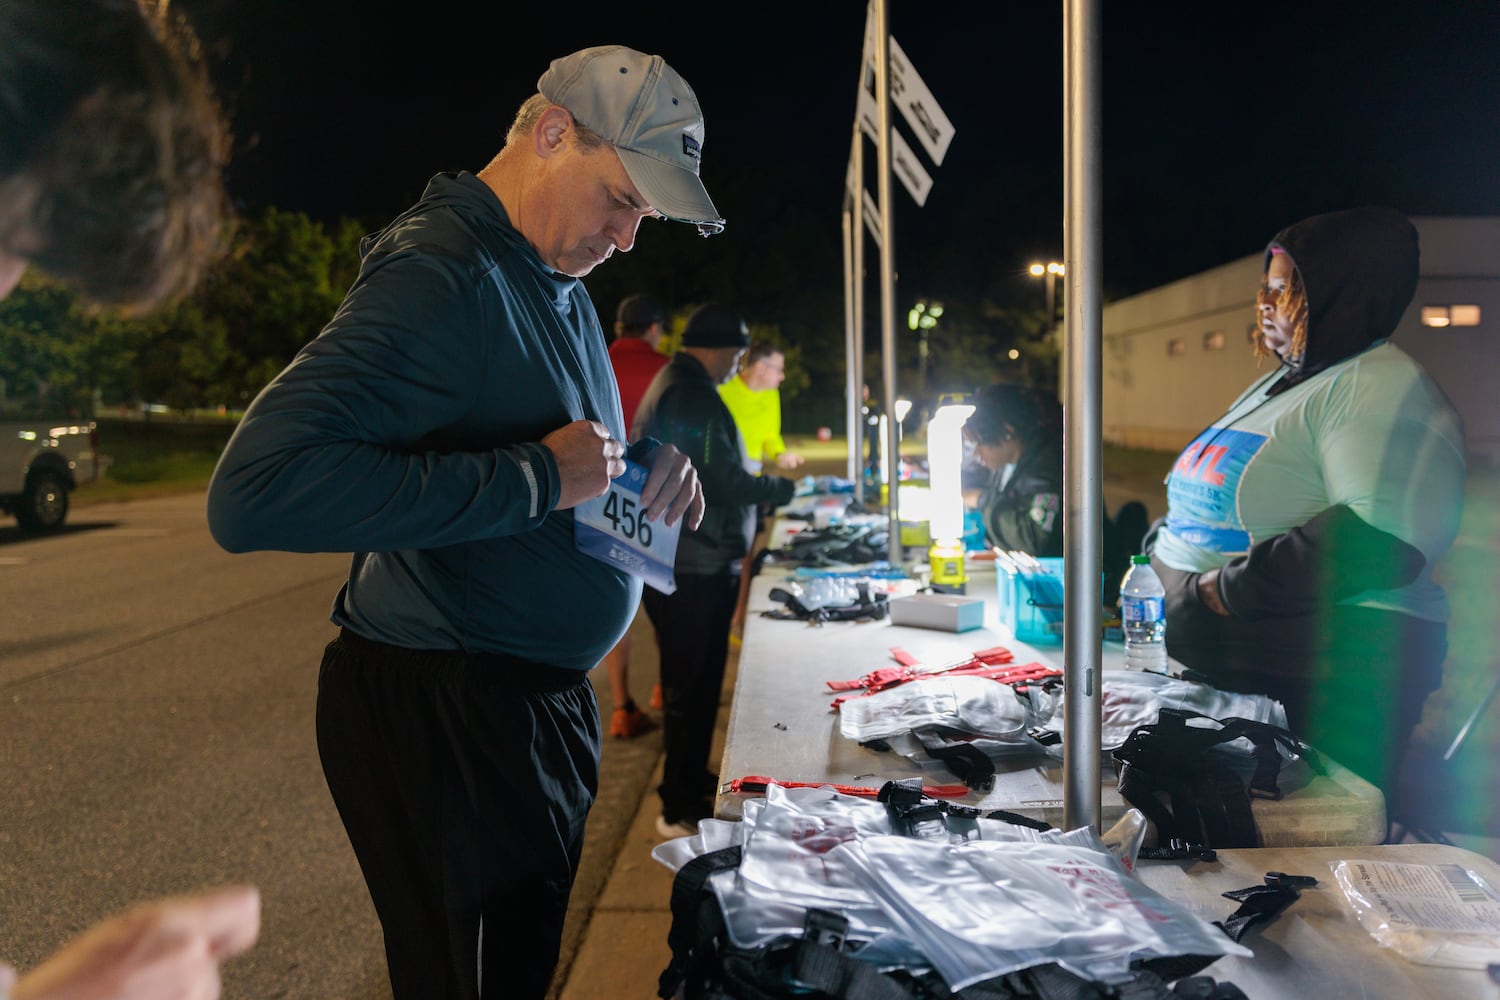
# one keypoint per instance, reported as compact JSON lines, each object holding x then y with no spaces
{"x":906,"y":165}
{"x":916,"y":103}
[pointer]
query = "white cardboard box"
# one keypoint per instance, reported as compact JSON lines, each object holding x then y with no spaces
{"x":948,"y":612}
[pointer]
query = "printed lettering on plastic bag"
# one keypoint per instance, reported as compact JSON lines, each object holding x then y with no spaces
{"x":1442,"y":914}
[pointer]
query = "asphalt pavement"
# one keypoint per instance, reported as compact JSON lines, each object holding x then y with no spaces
{"x":156,"y":728}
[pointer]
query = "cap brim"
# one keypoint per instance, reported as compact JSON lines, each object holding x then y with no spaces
{"x":676,"y":193}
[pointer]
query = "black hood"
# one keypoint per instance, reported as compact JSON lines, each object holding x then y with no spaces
{"x":1359,"y":268}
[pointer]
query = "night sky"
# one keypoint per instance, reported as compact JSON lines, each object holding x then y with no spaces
{"x":1222,"y":122}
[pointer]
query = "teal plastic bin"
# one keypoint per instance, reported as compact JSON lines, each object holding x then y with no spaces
{"x":1030,"y":599}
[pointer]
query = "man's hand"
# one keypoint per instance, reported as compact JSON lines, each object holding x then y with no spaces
{"x":1208,"y":593}
{"x":587,"y":459}
{"x":788,"y":460}
{"x":166,"y":950}
{"x":672,"y":488}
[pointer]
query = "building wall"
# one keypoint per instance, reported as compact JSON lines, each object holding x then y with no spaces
{"x":1156,"y":396}
{"x":1461,"y":265}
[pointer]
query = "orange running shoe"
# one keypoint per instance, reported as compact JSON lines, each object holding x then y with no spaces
{"x":630,"y":722}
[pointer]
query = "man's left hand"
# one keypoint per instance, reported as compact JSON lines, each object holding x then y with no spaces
{"x":788,"y":460}
{"x":1208,"y":593}
{"x":672,"y":488}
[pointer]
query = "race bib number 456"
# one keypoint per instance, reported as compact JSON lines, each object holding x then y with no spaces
{"x":613,"y":529}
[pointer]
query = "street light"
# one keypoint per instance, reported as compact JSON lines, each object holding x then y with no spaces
{"x":921,"y":319}
{"x":1050,"y":271}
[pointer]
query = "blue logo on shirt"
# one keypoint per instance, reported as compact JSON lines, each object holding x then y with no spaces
{"x":1203,"y":489}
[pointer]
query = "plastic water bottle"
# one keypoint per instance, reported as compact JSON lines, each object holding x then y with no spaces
{"x":1144,"y":617}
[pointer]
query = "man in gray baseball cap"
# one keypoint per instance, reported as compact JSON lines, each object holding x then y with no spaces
{"x":442,"y":428}
{"x":650,"y":115}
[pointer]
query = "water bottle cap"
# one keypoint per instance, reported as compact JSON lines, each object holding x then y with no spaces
{"x":1140,"y":560}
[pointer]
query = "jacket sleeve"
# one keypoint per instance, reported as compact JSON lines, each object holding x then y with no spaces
{"x":1025,"y":516}
{"x":1397,"y":491}
{"x":1329,"y":559}
{"x":330,"y":457}
{"x":699,"y":423}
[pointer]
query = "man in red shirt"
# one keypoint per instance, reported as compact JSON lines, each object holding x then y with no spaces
{"x":636,"y":359}
{"x":635,"y":351}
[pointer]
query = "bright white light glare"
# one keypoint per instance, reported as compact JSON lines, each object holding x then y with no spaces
{"x":903,"y":407}
{"x":1013,"y":354}
{"x":945,"y":457}
{"x":1037,"y":270}
{"x":913,"y":503}
{"x":1057,"y":268}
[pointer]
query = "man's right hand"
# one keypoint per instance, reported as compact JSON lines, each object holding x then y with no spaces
{"x":587,"y":459}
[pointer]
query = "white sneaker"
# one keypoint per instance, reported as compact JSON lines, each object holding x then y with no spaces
{"x":671,"y":831}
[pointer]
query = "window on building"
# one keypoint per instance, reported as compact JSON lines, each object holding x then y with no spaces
{"x":1213,"y":340}
{"x":1176,"y":346}
{"x":1454,"y":315}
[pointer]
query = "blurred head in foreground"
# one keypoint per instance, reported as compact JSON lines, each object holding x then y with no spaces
{"x":112,"y":149}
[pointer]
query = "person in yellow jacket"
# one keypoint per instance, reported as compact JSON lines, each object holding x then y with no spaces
{"x":754,"y":399}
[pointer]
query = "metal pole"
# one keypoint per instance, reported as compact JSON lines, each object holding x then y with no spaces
{"x":852,"y":418}
{"x":1051,"y":301}
{"x":857,"y":371}
{"x":1082,"y":436}
{"x":887,"y":276}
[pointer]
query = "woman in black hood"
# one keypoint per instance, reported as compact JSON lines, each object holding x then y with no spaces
{"x":1304,"y":524}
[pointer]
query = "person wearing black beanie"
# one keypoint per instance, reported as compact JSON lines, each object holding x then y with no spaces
{"x":682,"y":407}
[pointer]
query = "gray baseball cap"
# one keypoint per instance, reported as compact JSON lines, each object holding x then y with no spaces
{"x":649,"y":114}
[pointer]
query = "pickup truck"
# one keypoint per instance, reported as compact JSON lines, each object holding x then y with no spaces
{"x":41,"y":462}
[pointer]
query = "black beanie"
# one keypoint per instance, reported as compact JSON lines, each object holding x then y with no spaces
{"x":715,"y":325}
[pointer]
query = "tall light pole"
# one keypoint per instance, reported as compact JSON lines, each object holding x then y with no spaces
{"x":1051,"y":271}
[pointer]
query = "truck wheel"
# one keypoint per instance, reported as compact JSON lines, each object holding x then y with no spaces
{"x":45,"y":505}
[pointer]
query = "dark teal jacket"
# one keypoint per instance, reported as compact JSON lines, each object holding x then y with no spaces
{"x":407,"y":434}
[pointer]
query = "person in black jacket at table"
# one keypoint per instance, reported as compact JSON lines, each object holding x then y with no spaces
{"x":682,"y":407}
{"x":1017,"y":433}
